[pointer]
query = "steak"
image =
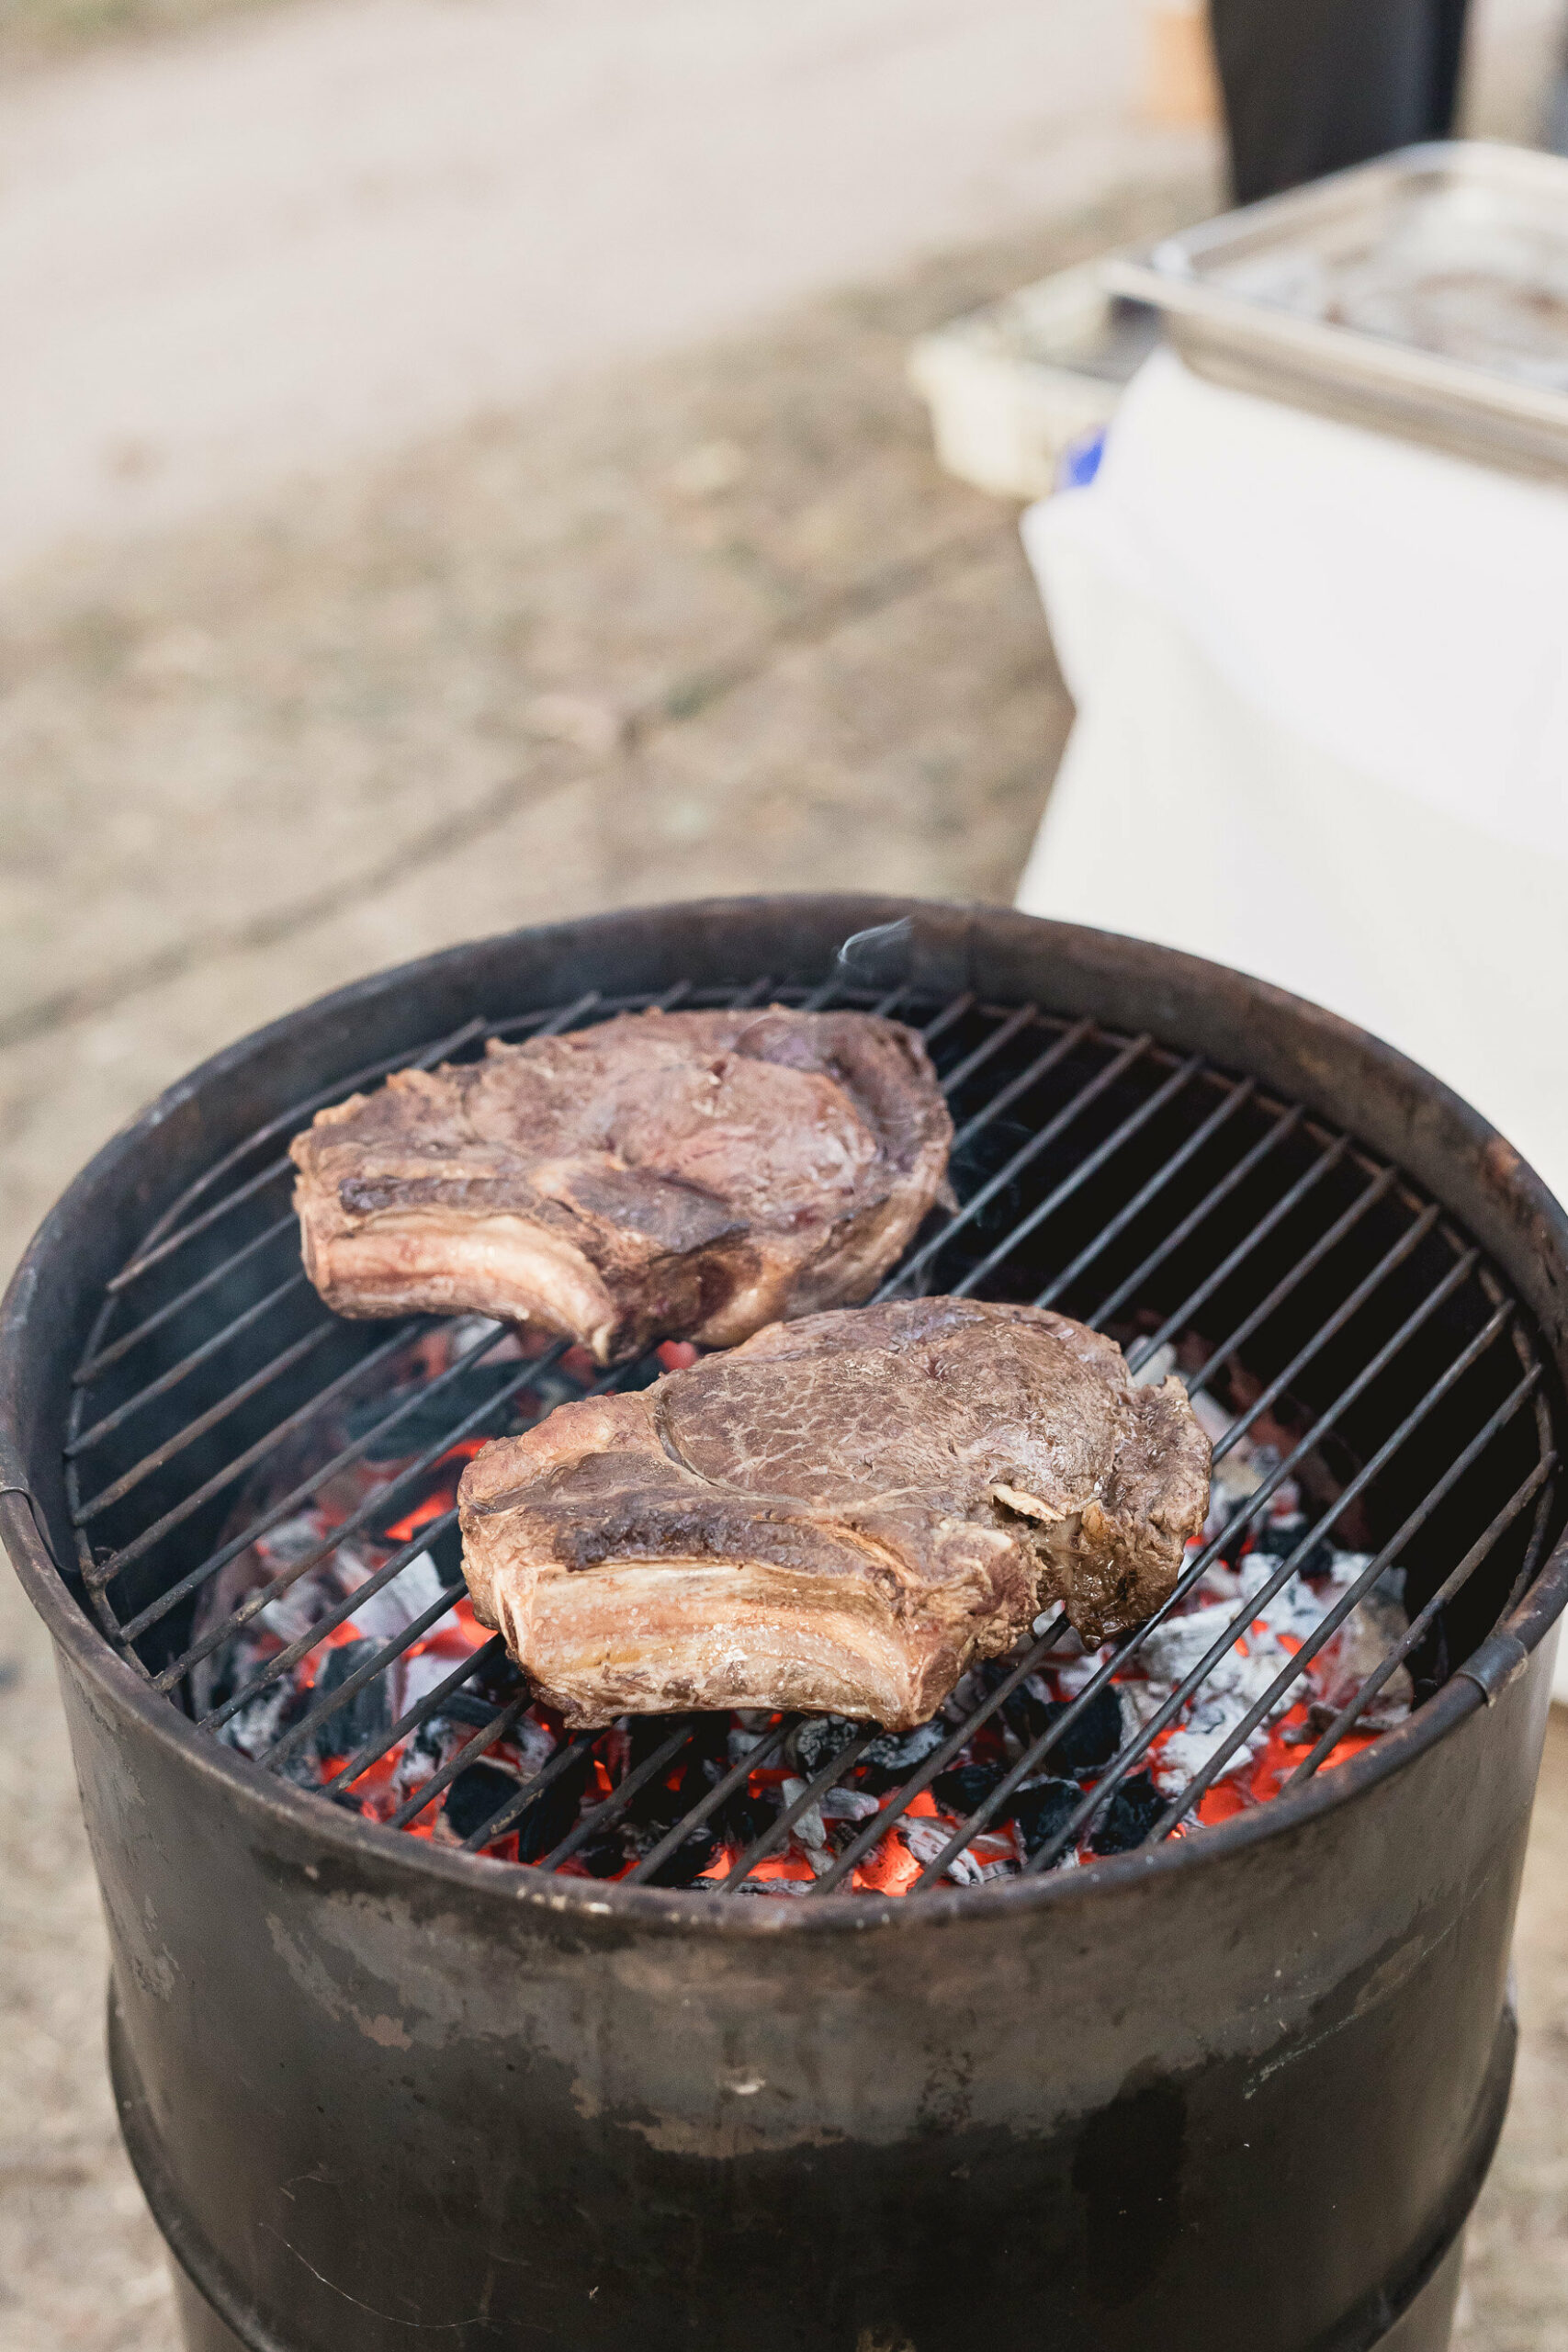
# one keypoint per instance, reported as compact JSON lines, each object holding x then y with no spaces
{"x":665,"y":1175}
{"x":841,"y":1515}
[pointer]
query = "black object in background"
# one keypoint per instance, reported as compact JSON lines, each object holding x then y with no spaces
{"x":1312,"y":85}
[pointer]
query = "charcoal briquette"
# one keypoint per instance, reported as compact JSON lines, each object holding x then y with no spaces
{"x":817,"y":1739}
{"x":1128,"y":1817}
{"x":689,"y":1860}
{"x":478,"y":1791}
{"x":1040,"y":1811}
{"x":363,"y":1717}
{"x":543,"y":1825}
{"x":1090,"y":1742}
{"x":964,"y":1790}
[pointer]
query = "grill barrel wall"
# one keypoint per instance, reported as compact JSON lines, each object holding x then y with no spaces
{"x":1241,"y":2108}
{"x":1239,"y":2091}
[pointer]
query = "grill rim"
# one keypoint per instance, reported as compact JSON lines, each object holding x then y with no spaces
{"x":946,"y":942}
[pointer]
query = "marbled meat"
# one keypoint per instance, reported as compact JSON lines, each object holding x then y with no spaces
{"x":841,"y":1515}
{"x":682,"y":1175}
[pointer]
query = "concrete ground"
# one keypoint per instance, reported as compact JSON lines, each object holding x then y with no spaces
{"x":303,"y":234}
{"x":648,"y":626}
{"x":307,"y":232}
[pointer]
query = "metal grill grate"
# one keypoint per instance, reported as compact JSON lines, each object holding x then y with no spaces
{"x":1137,"y":1188}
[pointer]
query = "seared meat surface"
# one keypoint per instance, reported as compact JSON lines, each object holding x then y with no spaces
{"x":682,"y":1175}
{"x":843,"y":1514}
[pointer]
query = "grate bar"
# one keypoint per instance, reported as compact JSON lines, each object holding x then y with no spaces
{"x":1343,"y":1225}
{"x":1390,"y":1260}
{"x":287,"y":1120}
{"x":1137,"y":1748}
{"x":1451,"y":1585}
{"x":1290,"y":1199}
{"x":511,"y":1809}
{"x":181,"y":1371}
{"x":423,"y":1539}
{"x":1225,"y":1109}
{"x":996,"y":1042}
{"x":913,"y":1267}
{"x":956,"y":1010}
{"x":939,"y":1760}
{"x":1324,"y":1633}
{"x":236,"y":1199}
{"x":352,"y":1684}
{"x":499,"y":1723}
{"x":371,"y":1751}
{"x":215,"y":1414}
{"x":1132,"y":1124}
{"x":736,"y":1778}
{"x":1282,"y":1129}
{"x":774,"y":1835}
{"x":1196,"y":1569}
{"x":547,"y":1024}
{"x":372,"y":1506}
{"x":619,"y":1797}
{"x":1030,"y":1075}
{"x":886,"y":1006}
{"x":176,"y":1305}
{"x":104,"y":1571}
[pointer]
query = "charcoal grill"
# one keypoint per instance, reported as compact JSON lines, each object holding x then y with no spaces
{"x":1236,"y":2081}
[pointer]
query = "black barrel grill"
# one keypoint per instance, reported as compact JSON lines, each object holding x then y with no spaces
{"x":1157,"y":1148}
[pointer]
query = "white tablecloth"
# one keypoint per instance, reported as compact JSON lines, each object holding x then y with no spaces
{"x":1322,"y":685}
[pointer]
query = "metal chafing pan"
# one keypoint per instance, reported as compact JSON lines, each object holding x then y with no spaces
{"x":1425,"y":294}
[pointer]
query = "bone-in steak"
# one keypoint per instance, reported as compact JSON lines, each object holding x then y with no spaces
{"x":843,"y":1514}
{"x":686,"y":1175}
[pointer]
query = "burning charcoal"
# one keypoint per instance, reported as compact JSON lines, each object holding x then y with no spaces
{"x":604,"y":1853}
{"x":543,"y":1825}
{"x":1362,"y":1642}
{"x":1090,"y":1742}
{"x":891,"y":1759}
{"x":847,"y":1804}
{"x":1316,"y":1563}
{"x":498,"y":1680}
{"x":266,"y":1718}
{"x":747,"y":1731}
{"x":1041,"y":1809}
{"x":478,"y":1791}
{"x":385,"y":1614}
{"x":645,"y":1733}
{"x":659,"y":1806}
{"x":971,"y":1866}
{"x":816,"y":1740}
{"x":687,"y":1863}
{"x":363,"y":1717}
{"x":745,"y":1818}
{"x":428,"y":1422}
{"x":809,"y":1827}
{"x":964,"y":1790}
{"x":463,"y":1708}
{"x":1128,"y":1817}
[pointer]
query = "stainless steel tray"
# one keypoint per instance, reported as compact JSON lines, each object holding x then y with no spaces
{"x":1426,"y":294}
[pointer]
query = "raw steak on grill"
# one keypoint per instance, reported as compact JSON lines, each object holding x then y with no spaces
{"x":665,"y":1175}
{"x":843,"y":1514}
